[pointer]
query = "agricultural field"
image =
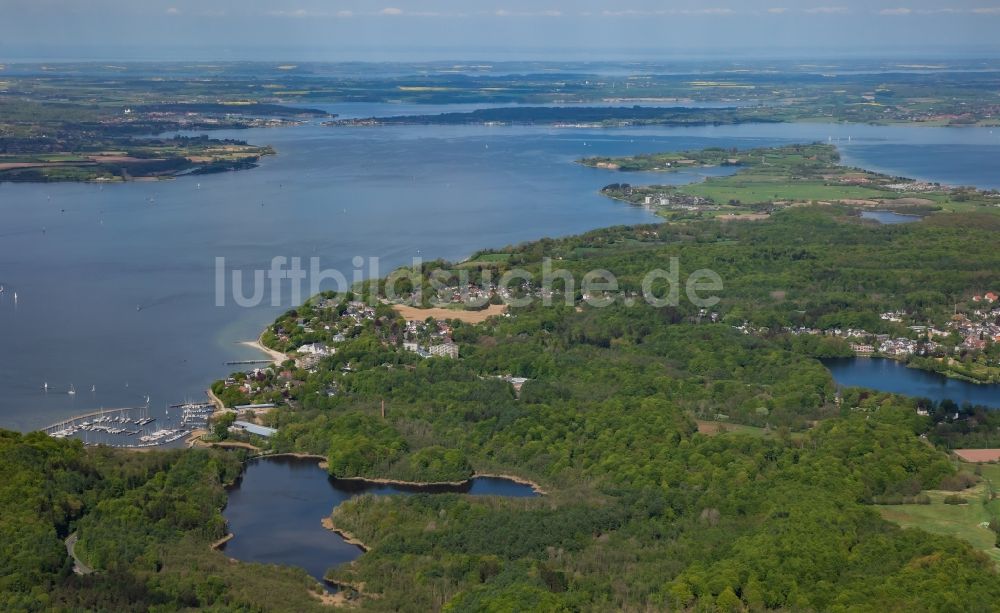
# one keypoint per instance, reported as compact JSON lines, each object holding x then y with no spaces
{"x":750,"y":190}
{"x":139,"y":159}
{"x":776,"y":177}
{"x":969,"y":521}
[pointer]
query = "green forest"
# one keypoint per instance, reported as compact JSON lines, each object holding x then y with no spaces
{"x":647,"y":507}
{"x":646,"y":510}
{"x":145,"y":523}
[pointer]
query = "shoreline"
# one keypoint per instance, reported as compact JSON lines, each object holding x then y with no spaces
{"x":277,"y":357}
{"x":294,"y":454}
{"x":219,"y":543}
{"x":220,"y":407}
{"x":349,"y":538}
{"x":904,"y":360}
{"x":947,"y":374}
{"x":291,"y":454}
{"x":386,"y":481}
{"x":538,"y":489}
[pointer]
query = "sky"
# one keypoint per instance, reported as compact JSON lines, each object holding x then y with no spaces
{"x":378,"y":30}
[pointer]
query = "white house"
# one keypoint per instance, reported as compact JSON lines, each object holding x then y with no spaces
{"x":316,"y":349}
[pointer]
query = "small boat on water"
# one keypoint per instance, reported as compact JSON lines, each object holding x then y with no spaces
{"x":72,"y":390}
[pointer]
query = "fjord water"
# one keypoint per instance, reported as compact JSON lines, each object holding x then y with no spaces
{"x":275,"y":511}
{"x":116,"y":283}
{"x":888,"y":375}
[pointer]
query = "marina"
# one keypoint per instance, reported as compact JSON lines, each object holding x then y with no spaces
{"x":134,"y":427}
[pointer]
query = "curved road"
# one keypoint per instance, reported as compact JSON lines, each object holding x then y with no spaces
{"x":78,"y":566}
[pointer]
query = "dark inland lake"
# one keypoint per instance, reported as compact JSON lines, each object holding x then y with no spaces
{"x":275,"y":511}
{"x":886,"y":375}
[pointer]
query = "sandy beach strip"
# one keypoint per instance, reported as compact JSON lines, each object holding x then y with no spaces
{"x":276,"y":356}
{"x":538,"y":489}
{"x":349,"y":538}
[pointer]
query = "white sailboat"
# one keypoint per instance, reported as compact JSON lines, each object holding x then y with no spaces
{"x":72,"y":390}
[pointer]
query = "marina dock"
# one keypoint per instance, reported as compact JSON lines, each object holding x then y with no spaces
{"x":132,"y":427}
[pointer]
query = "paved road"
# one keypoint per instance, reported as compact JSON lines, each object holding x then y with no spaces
{"x":78,"y":566}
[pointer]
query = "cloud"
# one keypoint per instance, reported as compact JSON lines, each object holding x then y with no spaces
{"x":303,"y":13}
{"x":626,"y":13}
{"x":547,"y":13}
{"x":347,"y":13}
{"x":708,"y":11}
{"x":173,"y":11}
{"x":895,"y":11}
{"x":827,"y":10}
{"x":293,"y":13}
{"x":642,"y":13}
{"x":983,"y":10}
{"x":777,"y":10}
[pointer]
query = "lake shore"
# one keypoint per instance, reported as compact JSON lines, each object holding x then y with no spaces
{"x":533,"y":485}
{"x":222,"y":541}
{"x":896,"y":376}
{"x":323,"y":462}
{"x":946,"y":373}
{"x":349,"y":538}
{"x":383,"y":481}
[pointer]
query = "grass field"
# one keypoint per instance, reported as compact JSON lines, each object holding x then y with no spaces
{"x":716,"y":428}
{"x":966,"y":521}
{"x":747,"y":190}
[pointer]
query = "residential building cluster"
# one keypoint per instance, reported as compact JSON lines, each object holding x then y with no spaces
{"x":977,"y":328}
{"x":429,"y":339}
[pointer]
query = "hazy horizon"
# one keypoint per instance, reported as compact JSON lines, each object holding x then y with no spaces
{"x":432,"y":30}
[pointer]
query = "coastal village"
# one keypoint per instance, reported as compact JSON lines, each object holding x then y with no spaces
{"x":317,"y":330}
{"x":971,"y":336}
